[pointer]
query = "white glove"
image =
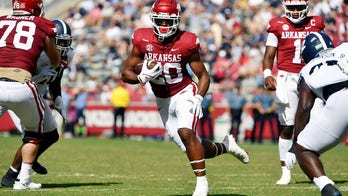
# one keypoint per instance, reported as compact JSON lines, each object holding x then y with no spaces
{"x":147,"y":74}
{"x":290,"y":160}
{"x":59,"y":106}
{"x":44,"y":76}
{"x":197,"y":105}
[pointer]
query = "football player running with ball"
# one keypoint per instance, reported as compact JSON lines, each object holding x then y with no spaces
{"x":178,"y":97}
{"x":285,"y":37}
{"x":325,"y":76}
{"x":47,"y":78}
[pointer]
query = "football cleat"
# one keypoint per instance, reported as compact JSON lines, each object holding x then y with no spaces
{"x":9,"y":178}
{"x":201,"y":192}
{"x":330,"y":190}
{"x":201,"y":189}
{"x":38,"y":168}
{"x":18,"y":185}
{"x":285,"y":178}
{"x":233,"y":148}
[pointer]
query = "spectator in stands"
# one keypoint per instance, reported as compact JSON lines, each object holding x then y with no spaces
{"x":120,"y":98}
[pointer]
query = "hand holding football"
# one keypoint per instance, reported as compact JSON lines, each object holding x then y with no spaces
{"x":149,"y":63}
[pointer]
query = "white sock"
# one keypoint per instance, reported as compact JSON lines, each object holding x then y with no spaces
{"x":284,"y":145}
{"x":285,"y":170}
{"x":322,"y":181}
{"x":25,"y":171}
{"x":202,"y":181}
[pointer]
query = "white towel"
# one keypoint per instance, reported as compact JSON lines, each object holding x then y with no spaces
{"x":281,"y":92}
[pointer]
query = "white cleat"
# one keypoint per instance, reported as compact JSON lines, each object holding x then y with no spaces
{"x":202,"y":188}
{"x":201,"y":191}
{"x":233,"y":148}
{"x":18,"y":185}
{"x":283,"y":181}
{"x":285,"y":178}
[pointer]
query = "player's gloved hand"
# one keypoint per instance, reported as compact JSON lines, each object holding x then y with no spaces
{"x":59,"y":106}
{"x":148,"y":74}
{"x":197,"y":105}
{"x":44,"y":76}
{"x":290,"y":160}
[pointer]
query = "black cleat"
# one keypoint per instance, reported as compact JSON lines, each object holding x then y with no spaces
{"x":38,"y":168}
{"x":9,"y":178}
{"x":330,"y":190}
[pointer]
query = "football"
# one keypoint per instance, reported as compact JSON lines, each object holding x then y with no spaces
{"x":139,"y":66}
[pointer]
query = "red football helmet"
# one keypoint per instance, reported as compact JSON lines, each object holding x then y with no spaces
{"x":296,"y":10}
{"x":27,"y":7}
{"x":165,"y":17}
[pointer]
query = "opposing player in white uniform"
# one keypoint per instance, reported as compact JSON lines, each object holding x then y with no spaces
{"x":47,"y":78}
{"x":325,"y":76}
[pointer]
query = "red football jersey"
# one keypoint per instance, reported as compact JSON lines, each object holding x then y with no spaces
{"x":290,"y":38}
{"x":22,"y":39}
{"x":173,"y":56}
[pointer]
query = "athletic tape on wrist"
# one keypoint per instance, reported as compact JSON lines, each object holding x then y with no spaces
{"x":266,"y":73}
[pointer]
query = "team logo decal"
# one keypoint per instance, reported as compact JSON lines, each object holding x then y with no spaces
{"x":149,"y":47}
{"x":285,"y":27}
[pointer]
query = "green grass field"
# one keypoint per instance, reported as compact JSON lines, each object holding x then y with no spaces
{"x":94,"y":166}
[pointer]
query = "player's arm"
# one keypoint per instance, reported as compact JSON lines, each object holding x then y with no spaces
{"x":305,"y":104}
{"x":52,"y":51}
{"x":55,"y":86}
{"x":268,"y":61}
{"x":199,"y":70}
{"x":128,"y":74}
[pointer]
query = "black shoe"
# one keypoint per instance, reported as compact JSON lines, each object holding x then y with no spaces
{"x":330,"y":190}
{"x":38,"y":168}
{"x":9,"y":178}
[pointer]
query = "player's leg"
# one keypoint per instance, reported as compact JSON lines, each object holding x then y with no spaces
{"x":284,"y":144}
{"x":195,"y":154}
{"x":325,"y":130}
{"x":49,"y":137}
{"x":48,"y":140}
{"x":32,"y":135}
{"x":29,"y":149}
{"x":286,"y":119}
{"x":180,"y":122}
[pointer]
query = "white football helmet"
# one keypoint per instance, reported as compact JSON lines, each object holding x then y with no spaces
{"x":165,"y":17}
{"x":296,"y":10}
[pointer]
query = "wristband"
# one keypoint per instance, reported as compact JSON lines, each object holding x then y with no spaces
{"x":266,"y":73}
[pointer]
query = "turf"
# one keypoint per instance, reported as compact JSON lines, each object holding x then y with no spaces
{"x":95,"y":166}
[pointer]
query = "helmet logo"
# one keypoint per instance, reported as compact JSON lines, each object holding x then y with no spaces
{"x":17,"y":5}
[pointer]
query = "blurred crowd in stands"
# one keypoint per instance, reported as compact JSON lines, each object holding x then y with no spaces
{"x":232,"y":35}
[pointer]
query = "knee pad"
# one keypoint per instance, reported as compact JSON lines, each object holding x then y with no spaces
{"x":31,"y":137}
